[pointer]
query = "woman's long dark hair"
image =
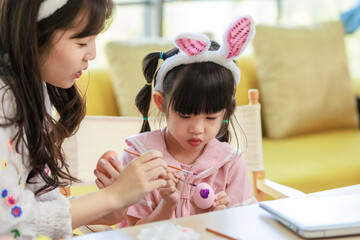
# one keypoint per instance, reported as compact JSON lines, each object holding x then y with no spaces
{"x":23,"y":42}
{"x":194,"y":88}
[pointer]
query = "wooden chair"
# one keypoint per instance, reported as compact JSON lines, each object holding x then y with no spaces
{"x":98,"y":134}
{"x":249,"y":117}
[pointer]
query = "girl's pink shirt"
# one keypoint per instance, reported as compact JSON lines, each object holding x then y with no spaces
{"x":220,"y":165}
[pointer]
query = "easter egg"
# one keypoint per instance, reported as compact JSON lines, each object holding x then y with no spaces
{"x":204,"y":196}
{"x":105,"y":156}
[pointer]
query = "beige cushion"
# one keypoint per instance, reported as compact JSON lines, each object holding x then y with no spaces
{"x":125,"y":66}
{"x":303,"y":79}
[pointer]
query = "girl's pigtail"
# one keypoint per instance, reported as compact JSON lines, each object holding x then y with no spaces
{"x":224,"y":133}
{"x":143,"y":98}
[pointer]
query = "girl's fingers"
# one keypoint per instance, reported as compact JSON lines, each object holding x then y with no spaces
{"x":221,"y":207}
{"x":220,"y":195}
{"x":222,"y":199}
{"x":168,"y":190}
{"x":177,"y":174}
{"x":172,"y":177}
{"x":156,"y":184}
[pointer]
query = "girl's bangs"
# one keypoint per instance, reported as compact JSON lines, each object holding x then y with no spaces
{"x":201,"y":88}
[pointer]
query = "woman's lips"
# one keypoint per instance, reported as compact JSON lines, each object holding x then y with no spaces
{"x":194,"y":141}
{"x":78,"y":74}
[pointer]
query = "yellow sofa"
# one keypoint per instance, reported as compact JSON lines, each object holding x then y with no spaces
{"x":310,"y":162}
{"x":320,"y":158}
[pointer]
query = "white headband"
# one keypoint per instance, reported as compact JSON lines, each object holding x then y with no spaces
{"x":48,"y":7}
{"x":194,"y":48}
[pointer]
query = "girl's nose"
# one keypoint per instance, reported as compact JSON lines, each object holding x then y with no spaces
{"x":197,"y":127}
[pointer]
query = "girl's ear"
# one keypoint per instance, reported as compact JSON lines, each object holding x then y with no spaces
{"x":159,"y":100}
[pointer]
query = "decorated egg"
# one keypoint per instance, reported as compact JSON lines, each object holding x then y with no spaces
{"x":105,"y":156}
{"x":204,"y":196}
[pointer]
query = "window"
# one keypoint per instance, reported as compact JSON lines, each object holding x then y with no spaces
{"x":148,"y":18}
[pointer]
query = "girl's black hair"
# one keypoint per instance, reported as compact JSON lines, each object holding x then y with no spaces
{"x":194,"y":88}
{"x":23,"y":43}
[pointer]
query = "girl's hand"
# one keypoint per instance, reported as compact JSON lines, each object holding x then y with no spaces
{"x":171,"y":192}
{"x":221,"y":201}
{"x":140,"y":177}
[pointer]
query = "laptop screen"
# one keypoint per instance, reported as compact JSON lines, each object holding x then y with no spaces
{"x":318,"y":216}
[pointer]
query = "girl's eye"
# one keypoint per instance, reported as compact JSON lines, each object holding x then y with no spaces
{"x":184,"y":116}
{"x":82,"y":44}
{"x":210,"y":118}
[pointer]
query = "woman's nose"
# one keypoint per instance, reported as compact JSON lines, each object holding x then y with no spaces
{"x":91,"y":53}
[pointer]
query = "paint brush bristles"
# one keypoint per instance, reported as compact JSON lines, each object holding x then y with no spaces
{"x":187,"y":182}
{"x":171,"y":166}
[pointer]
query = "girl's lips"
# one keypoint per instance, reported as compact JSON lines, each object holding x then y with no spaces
{"x":194,"y":141}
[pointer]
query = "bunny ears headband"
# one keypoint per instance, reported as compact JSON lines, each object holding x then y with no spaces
{"x":194,"y":48}
{"x":48,"y":7}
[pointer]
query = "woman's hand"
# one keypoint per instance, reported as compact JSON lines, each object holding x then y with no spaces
{"x":140,"y":177}
{"x":107,"y":170}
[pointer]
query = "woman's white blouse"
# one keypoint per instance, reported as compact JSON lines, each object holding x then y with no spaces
{"x":22,"y":214}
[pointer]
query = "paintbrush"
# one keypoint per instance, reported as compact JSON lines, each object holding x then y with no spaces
{"x":171,"y":166}
{"x":181,"y":179}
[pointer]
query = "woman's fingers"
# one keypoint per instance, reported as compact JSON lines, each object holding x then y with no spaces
{"x":115,"y":162}
{"x":153,"y":168}
{"x":155,"y":173}
{"x":151,"y":159}
{"x":99,"y":184}
{"x":140,"y":177}
{"x":148,"y":156}
{"x":154,"y":163}
{"x":103,"y":178}
{"x":108,"y":168}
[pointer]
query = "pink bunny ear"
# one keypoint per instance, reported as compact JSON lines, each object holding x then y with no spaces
{"x":239,"y":35}
{"x":192,"y":44}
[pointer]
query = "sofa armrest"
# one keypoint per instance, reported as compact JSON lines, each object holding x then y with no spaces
{"x":96,"y":85}
{"x":277,"y":190}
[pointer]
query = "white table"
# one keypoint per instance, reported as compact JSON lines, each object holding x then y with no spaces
{"x":247,"y":222}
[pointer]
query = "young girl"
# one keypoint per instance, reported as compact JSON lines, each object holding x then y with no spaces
{"x":44,"y":46}
{"x":195,"y":88}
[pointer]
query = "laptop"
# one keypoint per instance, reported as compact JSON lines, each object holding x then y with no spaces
{"x":317,"y":217}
